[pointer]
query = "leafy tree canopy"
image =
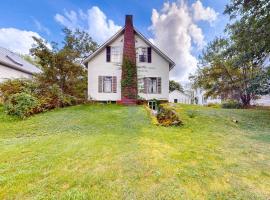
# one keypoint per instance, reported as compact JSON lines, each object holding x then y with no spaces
{"x":173,"y":85}
{"x":62,"y":66}
{"x":237,"y":67}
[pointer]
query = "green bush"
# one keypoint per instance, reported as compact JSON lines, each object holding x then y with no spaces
{"x":167,"y":116}
{"x":25,"y":97}
{"x":213,"y":105}
{"x":21,"y":104}
{"x":15,"y":86}
{"x":231,"y":104}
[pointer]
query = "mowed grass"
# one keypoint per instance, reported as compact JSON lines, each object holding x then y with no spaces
{"x":114,"y":152}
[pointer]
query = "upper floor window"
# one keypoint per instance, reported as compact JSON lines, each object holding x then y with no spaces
{"x":142,"y":52}
{"x":114,"y":54}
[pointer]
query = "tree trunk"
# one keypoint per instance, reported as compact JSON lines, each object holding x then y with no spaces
{"x":245,"y":98}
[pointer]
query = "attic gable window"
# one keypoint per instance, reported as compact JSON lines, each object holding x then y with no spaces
{"x":116,"y":55}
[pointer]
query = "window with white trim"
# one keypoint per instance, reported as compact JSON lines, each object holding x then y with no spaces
{"x":107,"y":84}
{"x":142,"y":54}
{"x":152,"y":86}
{"x":116,"y":54}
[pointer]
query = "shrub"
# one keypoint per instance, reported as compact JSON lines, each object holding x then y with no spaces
{"x":25,"y":97}
{"x":53,"y":97}
{"x":21,"y":104}
{"x":231,"y":104}
{"x":167,"y":116}
{"x":15,"y":86}
{"x":213,"y":105}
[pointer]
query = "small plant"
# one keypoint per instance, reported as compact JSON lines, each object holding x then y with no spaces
{"x":192,"y":113}
{"x":231,"y":104}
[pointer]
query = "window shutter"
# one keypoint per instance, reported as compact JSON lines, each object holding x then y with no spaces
{"x":149,"y":54}
{"x":114,"y":84}
{"x":100,"y":84}
{"x":145,"y":85}
{"x":108,"y":54}
{"x":159,"y":85}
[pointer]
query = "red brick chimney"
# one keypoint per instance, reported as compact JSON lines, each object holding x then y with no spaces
{"x":129,"y":93}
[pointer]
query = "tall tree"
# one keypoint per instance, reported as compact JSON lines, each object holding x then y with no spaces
{"x":62,"y":66}
{"x":250,"y":27}
{"x":236,"y":67}
{"x":225,"y":74}
{"x":173,"y":85}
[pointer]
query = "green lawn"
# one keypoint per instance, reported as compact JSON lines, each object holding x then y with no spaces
{"x":114,"y":152}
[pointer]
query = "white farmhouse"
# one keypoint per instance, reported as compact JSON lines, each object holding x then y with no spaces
{"x":106,"y":72}
{"x":13,"y":66}
{"x":177,"y":96}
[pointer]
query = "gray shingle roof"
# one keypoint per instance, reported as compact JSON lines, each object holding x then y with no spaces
{"x":13,"y":60}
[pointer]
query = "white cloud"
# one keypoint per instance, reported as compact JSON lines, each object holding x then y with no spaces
{"x":19,"y":41}
{"x":176,"y":33}
{"x":41,"y":28}
{"x":94,"y":21}
{"x":69,"y":19}
{"x":202,"y":13}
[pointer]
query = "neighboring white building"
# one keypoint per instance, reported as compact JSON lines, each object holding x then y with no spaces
{"x":13,"y":66}
{"x":105,"y":67}
{"x":177,"y":96}
{"x":200,"y":99}
{"x":262,"y":101}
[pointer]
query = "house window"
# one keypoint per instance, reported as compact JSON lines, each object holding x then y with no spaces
{"x":107,"y":84}
{"x":142,"y":52}
{"x":152,"y":85}
{"x":152,"y":105}
{"x":116,"y":55}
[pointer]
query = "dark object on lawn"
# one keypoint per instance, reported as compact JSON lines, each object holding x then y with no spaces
{"x":235,"y":120}
{"x":167,"y":116}
{"x":191,"y":113}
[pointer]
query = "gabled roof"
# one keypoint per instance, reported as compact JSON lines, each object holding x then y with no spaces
{"x":115,"y":36}
{"x":179,"y":92}
{"x":14,"y":61}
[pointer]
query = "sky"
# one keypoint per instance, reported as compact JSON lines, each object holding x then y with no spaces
{"x":180,"y":28}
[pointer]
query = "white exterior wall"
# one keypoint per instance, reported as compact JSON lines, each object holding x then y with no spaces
{"x":98,"y":66}
{"x":159,"y":67}
{"x":181,"y":97}
{"x":9,"y":73}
